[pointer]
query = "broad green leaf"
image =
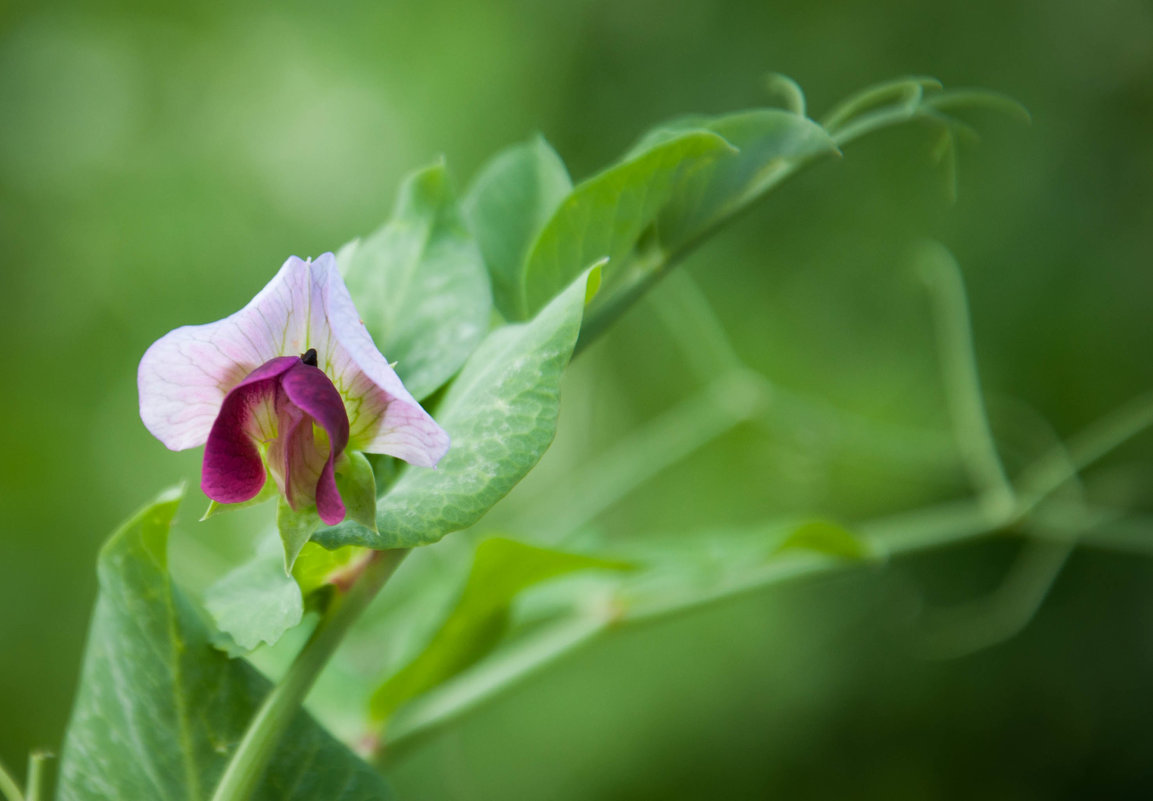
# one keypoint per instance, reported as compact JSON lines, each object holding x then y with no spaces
{"x":770,"y":142}
{"x":510,"y":200}
{"x":606,"y":215}
{"x":501,"y":414}
{"x":256,"y":602}
{"x":160,"y":710}
{"x":501,"y":570}
{"x":825,"y":538}
{"x":420,"y":284}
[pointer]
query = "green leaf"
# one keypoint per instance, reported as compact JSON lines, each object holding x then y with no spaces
{"x":357,"y":485}
{"x":160,"y":710}
{"x":826,"y":538}
{"x":420,"y":284}
{"x":501,"y":570}
{"x":509,"y":202}
{"x":770,"y":143}
{"x":296,"y":528}
{"x":256,"y":602}
{"x":606,"y":215}
{"x":501,"y":414}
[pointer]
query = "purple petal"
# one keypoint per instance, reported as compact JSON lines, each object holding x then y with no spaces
{"x":310,"y":390}
{"x":233,"y":470}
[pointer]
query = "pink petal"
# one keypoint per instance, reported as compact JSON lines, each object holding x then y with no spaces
{"x":185,"y":375}
{"x":233,"y":471}
{"x":384,"y":417}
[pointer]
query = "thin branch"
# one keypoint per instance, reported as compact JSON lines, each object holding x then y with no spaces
{"x":9,"y":787}
{"x":645,"y":452}
{"x":38,"y":775}
{"x":248,"y":763}
{"x":970,"y":421}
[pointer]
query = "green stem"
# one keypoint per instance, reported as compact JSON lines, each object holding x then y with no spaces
{"x":941,"y":526}
{"x":949,"y":524}
{"x":971,"y":427}
{"x":859,"y":123}
{"x":694,"y":422}
{"x":37,"y":775}
{"x":1084,"y":448}
{"x":282,"y":705}
{"x":426,"y":714}
{"x":9,"y":787}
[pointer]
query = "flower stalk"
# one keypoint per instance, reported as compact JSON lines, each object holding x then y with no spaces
{"x":283,"y":703}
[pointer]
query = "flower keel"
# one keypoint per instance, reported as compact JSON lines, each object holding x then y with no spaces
{"x":282,"y":405}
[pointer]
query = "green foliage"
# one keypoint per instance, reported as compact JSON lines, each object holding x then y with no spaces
{"x":510,"y":620}
{"x":768,"y":143}
{"x":823,"y":537}
{"x":501,"y":414}
{"x":501,"y":570}
{"x":420,"y":283}
{"x":606,"y":215}
{"x":510,"y":200}
{"x":315,"y":566}
{"x":257,"y":602}
{"x":296,"y":527}
{"x":357,"y":485}
{"x":160,"y":710}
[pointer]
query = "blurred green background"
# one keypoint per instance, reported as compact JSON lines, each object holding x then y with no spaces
{"x":159,"y":161}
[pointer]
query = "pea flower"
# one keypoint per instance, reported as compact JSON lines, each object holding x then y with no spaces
{"x":283,"y":387}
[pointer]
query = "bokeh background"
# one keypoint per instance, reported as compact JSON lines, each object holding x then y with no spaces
{"x":158,"y":161}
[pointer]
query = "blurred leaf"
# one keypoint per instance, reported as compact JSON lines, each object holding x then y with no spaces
{"x":769,"y":142}
{"x":256,"y":602}
{"x":420,"y":284}
{"x":606,"y":215}
{"x":825,"y":538}
{"x":964,"y":99}
{"x":501,"y":414}
{"x":357,"y":485}
{"x":501,"y":570}
{"x":510,"y":200}
{"x":160,"y":711}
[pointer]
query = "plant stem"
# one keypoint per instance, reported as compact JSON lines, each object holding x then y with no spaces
{"x":282,"y":705}
{"x":37,"y":775}
{"x":699,"y":419}
{"x":971,"y":429}
{"x":941,"y":526}
{"x":949,"y":524}
{"x":9,"y":787}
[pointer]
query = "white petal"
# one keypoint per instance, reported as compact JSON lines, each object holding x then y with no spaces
{"x":384,"y":417}
{"x":185,"y":375}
